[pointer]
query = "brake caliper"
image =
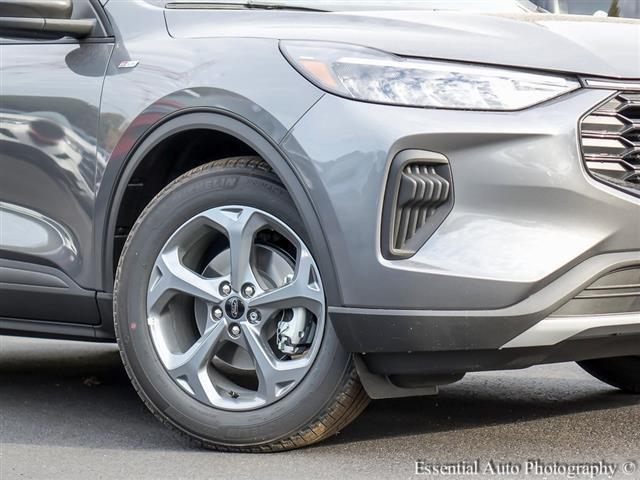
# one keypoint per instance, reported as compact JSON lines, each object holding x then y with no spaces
{"x":295,"y":332}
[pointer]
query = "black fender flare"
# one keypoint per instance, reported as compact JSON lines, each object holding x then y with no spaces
{"x":238,"y":127}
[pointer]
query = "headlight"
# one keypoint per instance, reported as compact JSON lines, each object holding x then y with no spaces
{"x":374,"y":76}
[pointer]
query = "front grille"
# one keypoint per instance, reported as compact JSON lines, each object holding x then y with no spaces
{"x":611,"y":142}
{"x":418,"y":198}
{"x":616,"y":292}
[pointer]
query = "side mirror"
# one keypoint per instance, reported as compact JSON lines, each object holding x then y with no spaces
{"x":42,"y":18}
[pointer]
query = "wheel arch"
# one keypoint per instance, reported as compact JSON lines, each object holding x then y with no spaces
{"x":237,"y":127}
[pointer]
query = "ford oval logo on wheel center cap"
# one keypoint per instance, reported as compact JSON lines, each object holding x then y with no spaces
{"x":234,"y":308}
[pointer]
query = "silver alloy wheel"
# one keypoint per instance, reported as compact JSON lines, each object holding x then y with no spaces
{"x":202,"y":329}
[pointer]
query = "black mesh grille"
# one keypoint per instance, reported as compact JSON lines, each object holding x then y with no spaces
{"x":419,"y":196}
{"x":611,"y":141}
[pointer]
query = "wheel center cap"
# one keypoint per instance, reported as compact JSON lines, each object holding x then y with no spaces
{"x":234,"y":308}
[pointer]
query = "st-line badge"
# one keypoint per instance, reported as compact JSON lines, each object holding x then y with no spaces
{"x":128,"y":64}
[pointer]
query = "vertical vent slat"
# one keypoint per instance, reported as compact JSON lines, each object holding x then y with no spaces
{"x":421,"y":191}
{"x":417,"y":199}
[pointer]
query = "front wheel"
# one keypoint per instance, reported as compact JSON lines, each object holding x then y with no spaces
{"x":221,"y":316}
{"x":622,"y":372}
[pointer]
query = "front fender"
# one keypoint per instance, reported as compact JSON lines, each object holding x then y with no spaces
{"x":231,"y":124}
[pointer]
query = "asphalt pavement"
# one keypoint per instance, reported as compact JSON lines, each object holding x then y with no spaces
{"x":67,"y":411}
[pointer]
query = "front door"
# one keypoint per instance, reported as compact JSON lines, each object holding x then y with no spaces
{"x":49,"y":107}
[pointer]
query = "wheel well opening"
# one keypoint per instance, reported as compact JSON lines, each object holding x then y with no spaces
{"x":168,"y":160}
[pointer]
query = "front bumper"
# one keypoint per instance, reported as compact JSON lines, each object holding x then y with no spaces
{"x":529,"y":228}
{"x":529,"y":323}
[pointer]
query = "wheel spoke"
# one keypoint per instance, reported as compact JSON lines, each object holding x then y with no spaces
{"x":191,"y":367}
{"x":173,"y":277}
{"x":275,"y":377}
{"x":241,"y":226}
{"x":303,"y":291}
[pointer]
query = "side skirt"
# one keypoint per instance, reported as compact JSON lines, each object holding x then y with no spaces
{"x":41,"y":301}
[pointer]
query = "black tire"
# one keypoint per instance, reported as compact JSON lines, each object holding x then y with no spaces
{"x":328,"y":398}
{"x":622,"y":372}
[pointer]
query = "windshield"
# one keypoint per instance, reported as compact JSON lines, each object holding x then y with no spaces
{"x":487,"y":6}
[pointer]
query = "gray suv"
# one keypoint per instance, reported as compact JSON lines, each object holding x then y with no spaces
{"x":283,"y":209}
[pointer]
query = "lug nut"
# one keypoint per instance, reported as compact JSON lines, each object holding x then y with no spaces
{"x":225,"y":289}
{"x":248,"y":290}
{"x":218,"y":313}
{"x":234,"y":330}
{"x":254,"y":316}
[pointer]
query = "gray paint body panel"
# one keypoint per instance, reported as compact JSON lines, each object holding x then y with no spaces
{"x":525,"y":210}
{"x":49,"y":117}
{"x":548,"y":42}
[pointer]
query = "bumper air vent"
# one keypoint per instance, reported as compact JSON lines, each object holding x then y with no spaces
{"x":418,"y":197}
{"x":611,"y":142}
{"x":616,"y":292}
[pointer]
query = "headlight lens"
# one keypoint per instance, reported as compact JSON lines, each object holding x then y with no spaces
{"x":374,"y":76}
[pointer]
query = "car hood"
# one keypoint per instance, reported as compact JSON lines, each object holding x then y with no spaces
{"x":566,"y":43}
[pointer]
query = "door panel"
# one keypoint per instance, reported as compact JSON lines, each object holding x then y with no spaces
{"x":49,"y":109}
